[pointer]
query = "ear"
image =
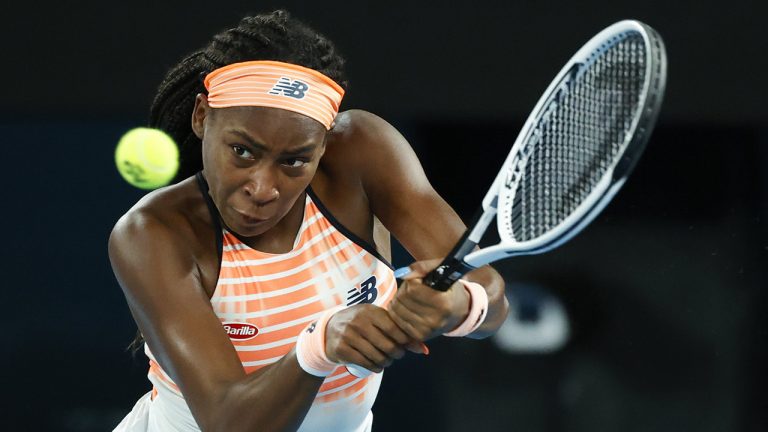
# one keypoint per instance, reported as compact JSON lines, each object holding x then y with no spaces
{"x":199,"y":114}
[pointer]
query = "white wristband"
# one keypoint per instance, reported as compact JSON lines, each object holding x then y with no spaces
{"x":310,"y":346}
{"x":478,"y":309}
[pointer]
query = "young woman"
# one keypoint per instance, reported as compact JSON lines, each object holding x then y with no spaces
{"x":260,"y":276}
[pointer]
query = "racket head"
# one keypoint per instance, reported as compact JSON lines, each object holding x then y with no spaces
{"x":580,"y":142}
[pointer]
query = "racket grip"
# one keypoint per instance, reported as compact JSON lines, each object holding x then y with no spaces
{"x":447,"y":273}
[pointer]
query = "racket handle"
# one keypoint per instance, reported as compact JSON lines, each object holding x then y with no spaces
{"x":441,"y":278}
{"x":432,"y":279}
{"x":447,"y":273}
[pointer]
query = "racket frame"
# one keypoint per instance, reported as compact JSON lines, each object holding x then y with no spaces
{"x":463,"y":258}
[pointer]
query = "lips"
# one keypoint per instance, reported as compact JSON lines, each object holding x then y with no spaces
{"x":250,"y":220}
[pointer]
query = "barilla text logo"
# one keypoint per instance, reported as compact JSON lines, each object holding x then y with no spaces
{"x":291,"y":88}
{"x":240,"y":331}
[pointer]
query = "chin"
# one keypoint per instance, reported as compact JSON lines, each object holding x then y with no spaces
{"x":252,"y":230}
{"x":249,"y":232}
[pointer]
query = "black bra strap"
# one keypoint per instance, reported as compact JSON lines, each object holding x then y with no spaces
{"x":214,"y":213}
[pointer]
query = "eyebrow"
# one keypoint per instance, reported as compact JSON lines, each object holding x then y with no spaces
{"x":255,"y":145}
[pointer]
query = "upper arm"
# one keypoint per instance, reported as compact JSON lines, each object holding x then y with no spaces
{"x":401,"y":196}
{"x":398,"y":190}
{"x":159,"y":277}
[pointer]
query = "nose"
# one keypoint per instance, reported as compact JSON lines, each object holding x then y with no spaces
{"x":261,"y":187}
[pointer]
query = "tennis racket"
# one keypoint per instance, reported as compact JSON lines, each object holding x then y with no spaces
{"x":573,"y":154}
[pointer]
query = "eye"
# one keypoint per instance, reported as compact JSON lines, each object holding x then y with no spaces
{"x":295,"y":162}
{"x":242,"y":152}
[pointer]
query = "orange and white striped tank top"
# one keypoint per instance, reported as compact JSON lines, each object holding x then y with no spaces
{"x":264,"y":301}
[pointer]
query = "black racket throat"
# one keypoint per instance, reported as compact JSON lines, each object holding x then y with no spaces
{"x":453,"y":266}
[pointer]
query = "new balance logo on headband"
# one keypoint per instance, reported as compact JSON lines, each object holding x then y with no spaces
{"x":291,"y":88}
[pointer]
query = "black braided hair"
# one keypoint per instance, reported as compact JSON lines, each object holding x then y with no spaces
{"x":272,"y":36}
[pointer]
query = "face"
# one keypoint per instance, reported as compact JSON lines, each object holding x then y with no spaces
{"x":258,"y":161}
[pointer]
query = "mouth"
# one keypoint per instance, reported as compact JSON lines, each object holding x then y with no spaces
{"x":247,"y":219}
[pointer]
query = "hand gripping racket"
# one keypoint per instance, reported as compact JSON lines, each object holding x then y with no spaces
{"x":574,"y":152}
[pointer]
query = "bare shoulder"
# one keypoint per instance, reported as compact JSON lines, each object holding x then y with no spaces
{"x":358,"y":120}
{"x":164,"y":211}
{"x":360,"y":128}
{"x":360,"y":140}
{"x":170,"y":222}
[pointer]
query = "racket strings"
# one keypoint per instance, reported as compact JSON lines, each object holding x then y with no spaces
{"x":581,"y":138}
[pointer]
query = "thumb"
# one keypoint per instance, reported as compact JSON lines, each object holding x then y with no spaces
{"x":419,"y":269}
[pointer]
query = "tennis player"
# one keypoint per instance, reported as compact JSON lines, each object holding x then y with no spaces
{"x":260,"y":277}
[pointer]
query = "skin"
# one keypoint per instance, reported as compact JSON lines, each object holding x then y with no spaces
{"x":258,"y":162}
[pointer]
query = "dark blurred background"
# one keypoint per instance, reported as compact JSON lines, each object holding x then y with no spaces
{"x":661,"y":301}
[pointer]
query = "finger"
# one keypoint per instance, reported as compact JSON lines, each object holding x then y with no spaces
{"x":349,"y":354}
{"x":432,"y":307}
{"x":390,"y":329}
{"x":375,"y":343}
{"x":373,"y":354}
{"x":418,"y":348}
{"x":423,"y":296}
{"x":410,"y":322}
{"x":386,"y":336}
{"x":418,"y":298}
{"x":423,"y":321}
{"x":390,"y":349}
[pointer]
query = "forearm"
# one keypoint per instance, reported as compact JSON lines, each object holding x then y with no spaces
{"x":498,"y":306}
{"x":276,"y":400}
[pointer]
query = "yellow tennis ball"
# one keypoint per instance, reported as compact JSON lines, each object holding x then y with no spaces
{"x":147,"y":158}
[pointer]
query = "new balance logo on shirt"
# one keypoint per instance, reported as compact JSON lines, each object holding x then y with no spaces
{"x":291,"y":88}
{"x":365,"y":293}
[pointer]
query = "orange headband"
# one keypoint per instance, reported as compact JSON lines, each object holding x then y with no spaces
{"x":277,"y":85}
